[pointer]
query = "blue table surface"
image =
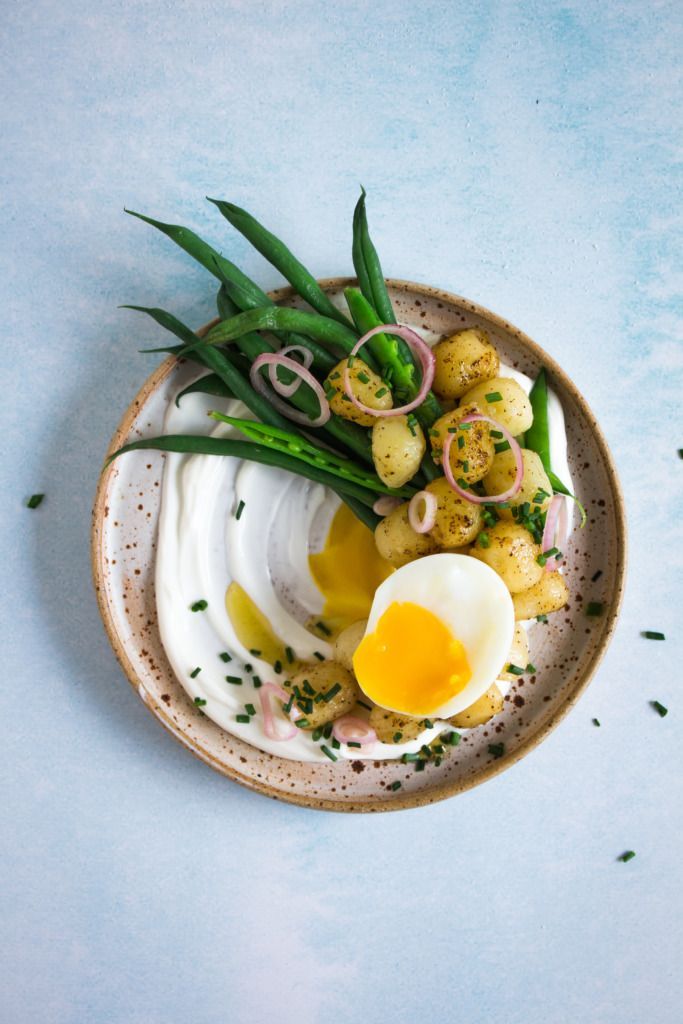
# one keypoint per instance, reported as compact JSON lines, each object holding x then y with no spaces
{"x":527,"y":155}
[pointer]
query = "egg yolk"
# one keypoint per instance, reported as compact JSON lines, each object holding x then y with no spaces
{"x":253,"y":629}
{"x":348,"y":570}
{"x":411,"y":663}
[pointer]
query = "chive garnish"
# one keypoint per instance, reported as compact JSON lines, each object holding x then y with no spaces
{"x":195,"y":672}
{"x":240,"y":510}
{"x":596,"y":722}
{"x":199,"y":606}
{"x":659,"y":708}
{"x":317,"y":734}
{"x":394,"y":785}
{"x":594,"y":609}
{"x":248,"y":667}
{"x":308,"y":688}
{"x":289,"y":653}
{"x":301,"y":723}
{"x":483,"y":540}
{"x":363,"y":377}
{"x":465,"y":466}
{"x":437,"y":748}
{"x":497,"y":749}
{"x":541,"y":618}
{"x":327,"y":731}
{"x":515,"y":670}
{"x":494,"y":396}
{"x":199,"y":702}
{"x":34,"y":501}
{"x":277,"y":667}
{"x":288,"y":706}
{"x":256,"y":653}
{"x":350,"y":743}
{"x":250,"y":709}
{"x":224,"y":656}
{"x":381,"y":392}
{"x":530,"y":668}
{"x":419,"y":765}
{"x":256,"y":680}
{"x":245,"y":719}
{"x":318,"y":655}
{"x":427,"y":722}
{"x":651,"y":634}
{"x":407,"y":758}
{"x":452,"y":738}
{"x":461,"y":442}
{"x":680,"y":453}
{"x":596,"y":576}
{"x":397,"y":737}
{"x":501,"y":446}
{"x":328,"y":753}
{"x":235,"y":680}
{"x":627,"y":856}
{"x":335,"y":743}
{"x":541,"y":559}
{"x":364,"y":705}
{"x":332,"y":692}
{"x":323,"y":628}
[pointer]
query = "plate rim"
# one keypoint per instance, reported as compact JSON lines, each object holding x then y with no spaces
{"x":400,"y":801}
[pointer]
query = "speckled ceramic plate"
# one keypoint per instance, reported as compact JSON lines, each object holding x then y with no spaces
{"x":566,"y":651}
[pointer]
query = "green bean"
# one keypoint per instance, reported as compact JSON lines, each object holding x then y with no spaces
{"x":368,"y":267}
{"x":537,"y":437}
{"x":270,"y":318}
{"x":211,"y":384}
{"x":204,"y":445}
{"x":277,"y":253}
{"x":358,"y":255}
{"x":300,"y":447}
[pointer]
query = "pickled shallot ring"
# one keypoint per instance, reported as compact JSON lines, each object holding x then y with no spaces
{"x":555,"y":522}
{"x":386,"y":504}
{"x":349,"y":729}
{"x":419,"y":348}
{"x":269,"y":726}
{"x":287,"y":390}
{"x":422,"y":522}
{"x":487,"y":499}
{"x":258,"y":383}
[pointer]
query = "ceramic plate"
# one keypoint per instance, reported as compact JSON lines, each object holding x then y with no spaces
{"x":566,"y":651}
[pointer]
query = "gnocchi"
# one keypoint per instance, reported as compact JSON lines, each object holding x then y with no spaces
{"x":463,"y":360}
{"x":458,"y":521}
{"x":346,"y":643}
{"x":549,"y":594}
{"x":512,"y":552}
{"x":398,"y":445}
{"x":481,"y":712}
{"x":503,"y":400}
{"x":471,"y":453}
{"x":323,"y":678}
{"x":398,"y":542}
{"x":535,"y":482}
{"x":367,"y":386}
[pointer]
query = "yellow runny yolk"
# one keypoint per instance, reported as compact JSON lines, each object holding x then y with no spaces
{"x":411,"y":663}
{"x":348,"y":570}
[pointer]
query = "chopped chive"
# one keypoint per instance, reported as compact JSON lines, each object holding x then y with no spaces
{"x":464,"y":426}
{"x":626,"y":856}
{"x":450,"y":430}
{"x":596,"y":576}
{"x":437,"y":748}
{"x":324,"y":629}
{"x":240,"y":510}
{"x":541,"y":618}
{"x":330,"y":392}
{"x":256,"y":680}
{"x":199,"y":702}
{"x":255,"y":652}
{"x":350,"y":743}
{"x":501,"y":446}
{"x":381,"y":392}
{"x":195,"y":672}
{"x":530,"y":668}
{"x":248,"y":667}
{"x":496,"y":433}
{"x":540,"y":496}
{"x":594,"y":609}
{"x":483,"y":540}
{"x":235,"y":680}
{"x":515,"y":670}
{"x":317,"y":734}
{"x":332,"y":692}
{"x":680,"y":453}
{"x":461,"y":442}
{"x":363,"y":377}
{"x":407,"y":758}
{"x":596,"y":722}
{"x":245,"y":719}
{"x":364,"y":705}
{"x":427,"y":722}
{"x":328,"y":753}
{"x":318,"y":655}
{"x":397,"y":737}
{"x":250,"y":709}
{"x":394,"y":785}
{"x":327,"y":731}
{"x":289,"y":653}
{"x":335,"y":743}
{"x":426,"y":751}
{"x":452,"y":738}
{"x":659,"y":708}
{"x":308,"y":688}
{"x":494,"y":396}
{"x":199,"y":606}
{"x":497,"y":749}
{"x":277,"y":667}
{"x":307,"y":706}
{"x":465,"y":466}
{"x":551,"y":552}
{"x":350,"y":361}
{"x":301,"y":723}
{"x":419,"y":765}
{"x":651,"y":634}
{"x":433,"y":433}
{"x":318,"y":697}
{"x":541,"y":559}
{"x":224,"y":656}
{"x":288,"y":706}
{"x":34,"y":501}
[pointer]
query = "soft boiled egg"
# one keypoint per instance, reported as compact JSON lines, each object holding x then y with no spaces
{"x":439,"y":633}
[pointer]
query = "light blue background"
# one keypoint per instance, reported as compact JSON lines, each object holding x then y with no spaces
{"x":525,"y":154}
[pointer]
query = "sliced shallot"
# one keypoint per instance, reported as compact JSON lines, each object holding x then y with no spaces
{"x":258,"y":383}
{"x":487,"y":499}
{"x":555,"y":530}
{"x":269,"y":726}
{"x":349,"y":729}
{"x":418,"y":347}
{"x":422,"y":521}
{"x":386,"y":504}
{"x":287,"y":390}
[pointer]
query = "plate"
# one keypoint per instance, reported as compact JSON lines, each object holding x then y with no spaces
{"x":566,"y":651}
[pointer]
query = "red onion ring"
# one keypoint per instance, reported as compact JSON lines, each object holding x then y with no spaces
{"x":287,"y":390}
{"x":258,"y":383}
{"x":477,"y":417}
{"x":349,"y":729}
{"x":555,"y":523}
{"x":386,"y":504}
{"x":269,"y":726}
{"x":424,"y":523}
{"x":418,"y":347}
